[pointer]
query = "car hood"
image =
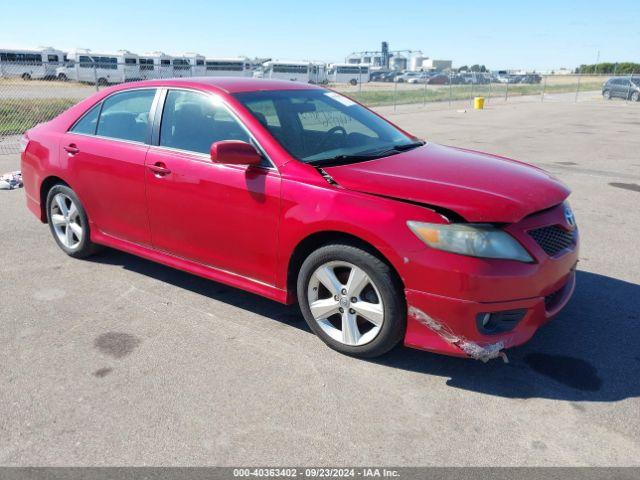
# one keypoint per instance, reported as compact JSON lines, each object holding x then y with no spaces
{"x":477,"y":186}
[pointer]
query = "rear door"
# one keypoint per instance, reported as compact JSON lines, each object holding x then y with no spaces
{"x":225,"y":216}
{"x":105,"y":152}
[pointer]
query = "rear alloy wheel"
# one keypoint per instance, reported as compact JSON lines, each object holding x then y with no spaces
{"x":68,"y":222}
{"x":606,"y":95}
{"x":635,"y":96}
{"x":26,"y":77}
{"x":351,"y":300}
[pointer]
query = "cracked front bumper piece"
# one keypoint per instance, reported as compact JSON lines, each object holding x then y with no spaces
{"x":449,"y":325}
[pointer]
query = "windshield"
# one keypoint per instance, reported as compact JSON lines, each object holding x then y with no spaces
{"x":319,"y":126}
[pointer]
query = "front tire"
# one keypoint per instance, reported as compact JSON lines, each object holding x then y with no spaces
{"x":68,"y":222}
{"x":352,"y":300}
{"x":606,"y":95}
{"x":635,"y":96}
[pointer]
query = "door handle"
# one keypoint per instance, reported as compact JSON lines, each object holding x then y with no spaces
{"x":71,"y":148}
{"x":159,"y":169}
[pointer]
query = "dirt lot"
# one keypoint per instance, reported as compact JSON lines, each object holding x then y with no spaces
{"x":119,"y":361}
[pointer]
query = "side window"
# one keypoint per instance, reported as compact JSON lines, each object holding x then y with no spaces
{"x":192,"y":121}
{"x":87,"y":124}
{"x":126,"y":115}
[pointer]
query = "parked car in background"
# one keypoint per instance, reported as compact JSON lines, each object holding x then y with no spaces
{"x":406,"y":76}
{"x":390,"y":76}
{"x":438,"y":79}
{"x":422,"y":77}
{"x":377,"y":75}
{"x":622,"y":87}
{"x":531,"y":78}
{"x":299,"y":194}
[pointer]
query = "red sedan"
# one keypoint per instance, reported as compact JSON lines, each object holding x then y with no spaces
{"x":297,"y":193}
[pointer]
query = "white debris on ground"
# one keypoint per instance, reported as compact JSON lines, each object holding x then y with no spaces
{"x":483,"y":353}
{"x":11,"y":180}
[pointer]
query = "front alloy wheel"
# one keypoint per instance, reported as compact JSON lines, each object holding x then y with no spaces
{"x":352,"y":300}
{"x":345,"y":303}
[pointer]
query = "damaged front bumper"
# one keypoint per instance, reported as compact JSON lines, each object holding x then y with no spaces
{"x":448,"y":325}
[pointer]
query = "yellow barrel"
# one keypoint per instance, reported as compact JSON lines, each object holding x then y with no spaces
{"x":478,"y":103}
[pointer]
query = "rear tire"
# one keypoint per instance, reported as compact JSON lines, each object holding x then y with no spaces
{"x":26,"y":77}
{"x":102,"y":82}
{"x":62,"y":77}
{"x":353,"y":82}
{"x":69,"y":223}
{"x":358,"y":303}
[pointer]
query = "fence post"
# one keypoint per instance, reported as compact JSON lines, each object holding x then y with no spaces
{"x":544,"y":87}
{"x":629,"y":87}
{"x":490,"y":82}
{"x":577,"y":89}
{"x":506,"y":92}
{"x":424,"y":94}
{"x":359,"y":79}
{"x":472,"y":90}
{"x":450,"y":82}
{"x":395,"y":93}
{"x":95,"y":76}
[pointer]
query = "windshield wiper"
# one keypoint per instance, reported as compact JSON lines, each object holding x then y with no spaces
{"x":362,"y":157}
{"x":409,"y":146}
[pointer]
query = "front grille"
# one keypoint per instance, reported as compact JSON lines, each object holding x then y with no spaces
{"x":553,"y":239}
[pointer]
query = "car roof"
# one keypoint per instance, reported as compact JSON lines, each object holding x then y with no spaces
{"x":224,"y":84}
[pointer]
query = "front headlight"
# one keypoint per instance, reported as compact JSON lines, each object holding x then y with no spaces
{"x":475,"y":240}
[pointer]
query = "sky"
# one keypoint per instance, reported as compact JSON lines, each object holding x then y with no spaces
{"x":540,"y":35}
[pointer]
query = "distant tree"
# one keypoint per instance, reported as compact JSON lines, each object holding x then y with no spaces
{"x":606,"y":68}
{"x":464,"y":68}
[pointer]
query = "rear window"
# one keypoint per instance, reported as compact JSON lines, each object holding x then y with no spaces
{"x":125,"y":115}
{"x":87,"y":124}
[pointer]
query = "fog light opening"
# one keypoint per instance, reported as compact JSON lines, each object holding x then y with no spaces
{"x":491,"y":323}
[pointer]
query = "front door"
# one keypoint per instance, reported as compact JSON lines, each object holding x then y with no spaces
{"x":225,"y":216}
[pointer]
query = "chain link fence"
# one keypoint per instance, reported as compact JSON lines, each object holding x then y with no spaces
{"x":31,"y":93}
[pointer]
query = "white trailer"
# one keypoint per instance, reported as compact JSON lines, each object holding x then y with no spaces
{"x":348,"y":73}
{"x":318,"y":73}
{"x":103,"y":68}
{"x":284,"y":70}
{"x":181,"y":67}
{"x":155,"y":65}
{"x":228,"y":67}
{"x":30,"y":64}
{"x":197,"y":64}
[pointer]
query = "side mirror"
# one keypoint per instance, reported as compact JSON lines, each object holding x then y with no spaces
{"x":234,"y":152}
